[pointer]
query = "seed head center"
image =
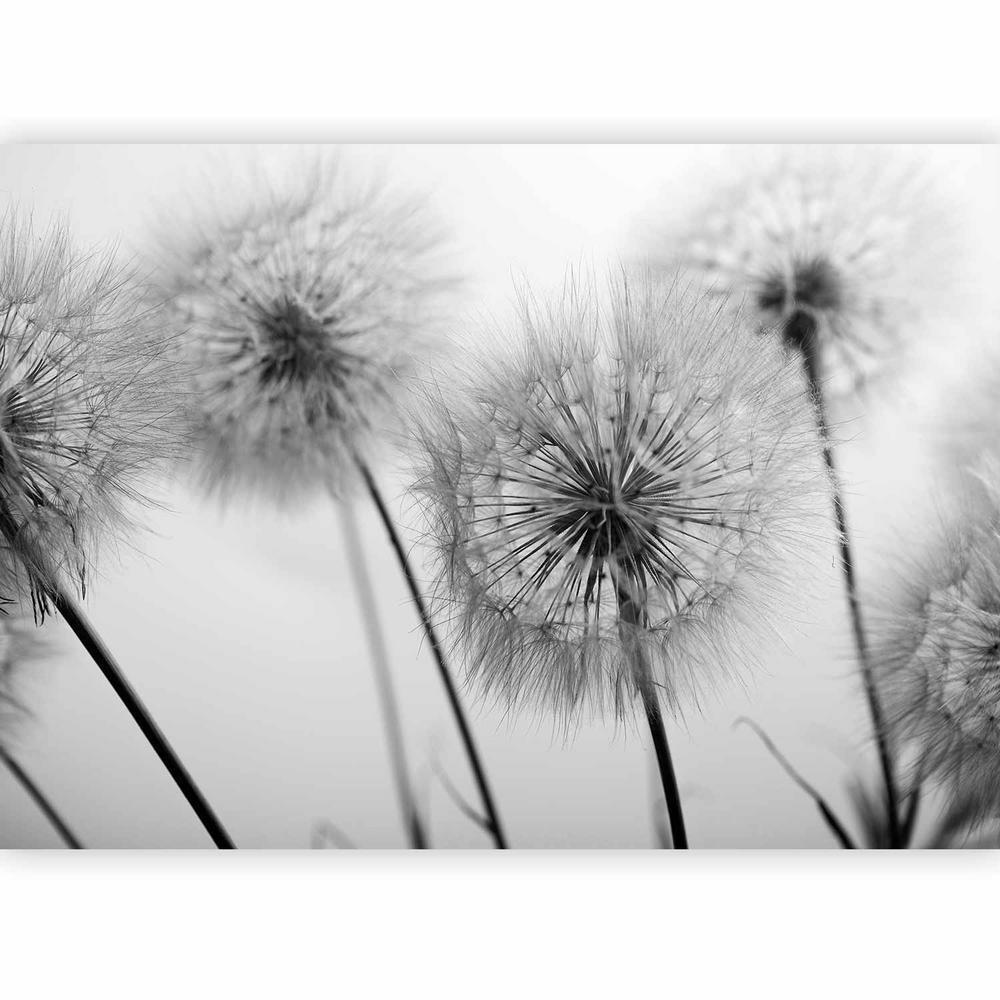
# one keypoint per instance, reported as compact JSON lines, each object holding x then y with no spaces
{"x":295,"y":345}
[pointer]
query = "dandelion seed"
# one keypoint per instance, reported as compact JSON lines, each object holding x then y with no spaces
{"x":306,"y":309}
{"x":851,"y":247}
{"x":620,"y":480}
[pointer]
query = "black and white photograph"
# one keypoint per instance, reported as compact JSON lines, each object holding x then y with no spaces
{"x":499,"y":496}
{"x":499,"y":501}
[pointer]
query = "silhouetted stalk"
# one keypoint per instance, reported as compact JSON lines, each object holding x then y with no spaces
{"x":678,"y":833}
{"x":912,"y":807}
{"x":74,"y":617}
{"x":493,"y":817}
{"x":806,"y":341}
{"x":632,"y":615}
{"x":910,"y":817}
{"x":101,"y":655}
{"x":661,"y":827}
{"x":41,"y":800}
{"x":383,"y":675}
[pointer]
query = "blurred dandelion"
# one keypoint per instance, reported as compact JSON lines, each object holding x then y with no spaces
{"x":615,"y":498}
{"x":19,"y":644}
{"x":88,"y":411}
{"x":307,"y":304}
{"x":939,"y":651}
{"x":962,"y":437}
{"x":309,"y":307}
{"x":845,"y":252}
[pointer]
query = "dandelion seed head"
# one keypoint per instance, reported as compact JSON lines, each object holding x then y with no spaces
{"x":848,"y":251}
{"x":938,"y":649}
{"x":307,"y":305}
{"x":89,"y":407}
{"x":614,"y":497}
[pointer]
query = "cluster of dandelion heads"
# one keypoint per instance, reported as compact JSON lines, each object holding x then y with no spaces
{"x":89,"y":407}
{"x":306,"y":305}
{"x":615,"y":494}
{"x":938,"y":650}
{"x":848,"y":251}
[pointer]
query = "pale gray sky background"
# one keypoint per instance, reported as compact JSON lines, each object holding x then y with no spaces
{"x":240,"y":628}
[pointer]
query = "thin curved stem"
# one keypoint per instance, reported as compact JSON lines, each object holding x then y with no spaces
{"x":383,"y":675}
{"x":90,"y":640}
{"x":471,"y":751}
{"x":853,"y":600}
{"x":41,"y":800}
{"x":829,"y":816}
{"x":654,"y":717}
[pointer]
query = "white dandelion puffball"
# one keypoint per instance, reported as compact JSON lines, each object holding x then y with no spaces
{"x":89,"y":407}
{"x":848,"y":249}
{"x":307,"y":303}
{"x":939,"y":654}
{"x":615,"y":496}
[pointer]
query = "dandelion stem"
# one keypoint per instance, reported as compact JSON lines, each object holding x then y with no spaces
{"x":911,"y":809}
{"x":678,"y":834}
{"x":383,"y":675}
{"x":106,"y":663}
{"x":475,"y":762}
{"x":41,"y":800}
{"x":632,"y":618}
{"x":101,"y":655}
{"x":810,"y":357}
{"x":910,"y":817}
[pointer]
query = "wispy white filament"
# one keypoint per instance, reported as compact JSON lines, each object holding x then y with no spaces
{"x":859,"y":240}
{"x":306,"y":304}
{"x":89,"y":406}
{"x":627,"y":472}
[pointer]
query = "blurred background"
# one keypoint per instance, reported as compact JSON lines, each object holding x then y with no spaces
{"x":241,"y":631}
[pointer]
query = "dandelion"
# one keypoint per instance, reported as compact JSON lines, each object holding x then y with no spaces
{"x":18,"y":645}
{"x":83,"y":402}
{"x":939,"y":653}
{"x":614,"y":498}
{"x":88,"y":410}
{"x":844,"y":252}
{"x":309,"y":308}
